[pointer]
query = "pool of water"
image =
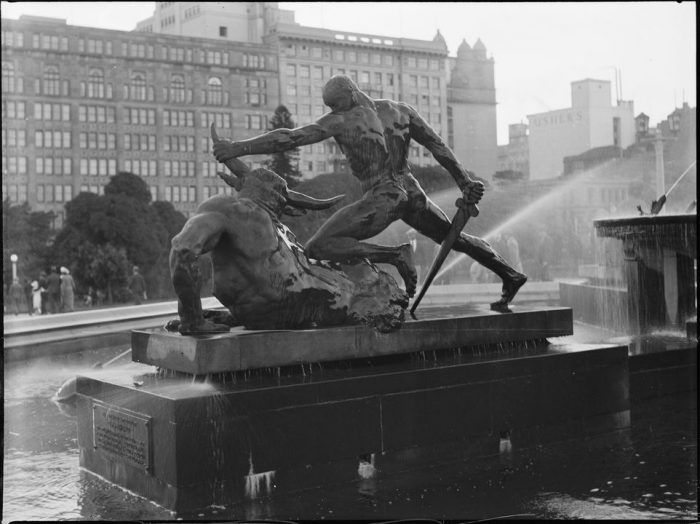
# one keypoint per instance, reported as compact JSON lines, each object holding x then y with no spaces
{"x":648,"y":472}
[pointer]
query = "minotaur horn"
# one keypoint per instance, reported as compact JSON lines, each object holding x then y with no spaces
{"x":302,"y":201}
{"x":237,"y":167}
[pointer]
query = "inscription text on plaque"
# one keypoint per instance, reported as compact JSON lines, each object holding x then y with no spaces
{"x":122,"y":434}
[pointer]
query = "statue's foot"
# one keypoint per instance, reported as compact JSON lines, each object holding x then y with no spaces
{"x":204,"y":328}
{"x":510,"y":288}
{"x":407,"y":269}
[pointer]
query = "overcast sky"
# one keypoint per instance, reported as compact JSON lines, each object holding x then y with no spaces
{"x":539,"y":48}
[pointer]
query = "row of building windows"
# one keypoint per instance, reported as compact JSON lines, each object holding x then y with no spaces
{"x":137,"y":89}
{"x":208,"y":191}
{"x":105,"y":114}
{"x":14,"y":164}
{"x":53,"y":165}
{"x":178,"y":143}
{"x":51,"y":112}
{"x":135,"y":50}
{"x":179,"y":168}
{"x":361,"y":57}
{"x":50,"y":193}
{"x":99,"y":141}
{"x":14,"y":137}
{"x":98,"y":166}
{"x":13,"y":109}
{"x":54,"y":193}
{"x":135,"y":142}
{"x":141,"y":167}
{"x":52,"y":139}
{"x":63,"y":166}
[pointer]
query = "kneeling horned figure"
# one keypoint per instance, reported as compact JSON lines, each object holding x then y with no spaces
{"x":261,"y":273}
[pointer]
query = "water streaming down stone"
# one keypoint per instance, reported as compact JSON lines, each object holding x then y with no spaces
{"x":660,"y":254}
{"x":366,"y":469}
{"x":257,"y":484}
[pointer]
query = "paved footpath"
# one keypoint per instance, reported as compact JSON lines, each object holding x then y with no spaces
{"x":24,"y":323}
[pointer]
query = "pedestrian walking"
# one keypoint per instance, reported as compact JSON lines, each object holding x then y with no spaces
{"x":43,"y":282}
{"x":137,"y":286}
{"x":67,"y":291}
{"x":15,"y":293}
{"x":53,"y":290}
{"x":28,"y":301}
{"x":36,"y":297}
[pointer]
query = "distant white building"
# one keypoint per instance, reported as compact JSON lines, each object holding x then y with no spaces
{"x":591,"y":121}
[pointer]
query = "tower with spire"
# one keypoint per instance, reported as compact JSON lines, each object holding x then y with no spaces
{"x":471,"y":107}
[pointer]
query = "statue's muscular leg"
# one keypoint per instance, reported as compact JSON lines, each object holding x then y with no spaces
{"x":432,"y":222}
{"x":187,"y":246}
{"x":338,"y":239}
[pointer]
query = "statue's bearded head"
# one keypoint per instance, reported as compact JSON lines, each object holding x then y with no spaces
{"x":342,"y":94}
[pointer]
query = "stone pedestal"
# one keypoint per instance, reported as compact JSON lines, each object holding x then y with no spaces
{"x":187,"y":444}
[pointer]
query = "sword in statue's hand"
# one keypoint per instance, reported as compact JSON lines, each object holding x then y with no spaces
{"x":465,"y":210}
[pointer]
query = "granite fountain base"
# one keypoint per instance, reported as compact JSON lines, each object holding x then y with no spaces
{"x":247,"y":413}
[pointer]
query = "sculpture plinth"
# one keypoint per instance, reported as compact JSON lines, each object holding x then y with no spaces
{"x":459,"y":380}
{"x":242,"y":349}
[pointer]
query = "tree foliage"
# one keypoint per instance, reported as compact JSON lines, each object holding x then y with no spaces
{"x":26,"y":234}
{"x":284,"y":163}
{"x":105,"y":235}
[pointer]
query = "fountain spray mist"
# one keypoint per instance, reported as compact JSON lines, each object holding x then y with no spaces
{"x":532,"y":208}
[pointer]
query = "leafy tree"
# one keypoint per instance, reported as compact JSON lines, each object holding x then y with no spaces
{"x":105,"y":235}
{"x":28,"y":235}
{"x":103,"y":267}
{"x":172,"y":222}
{"x":285,"y":163}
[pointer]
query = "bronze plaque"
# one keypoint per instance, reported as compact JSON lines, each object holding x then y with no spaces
{"x":122,"y":434}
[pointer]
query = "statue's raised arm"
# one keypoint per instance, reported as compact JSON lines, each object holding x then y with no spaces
{"x":273,"y":141}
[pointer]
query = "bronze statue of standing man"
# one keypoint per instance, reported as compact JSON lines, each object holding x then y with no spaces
{"x":375,"y":135}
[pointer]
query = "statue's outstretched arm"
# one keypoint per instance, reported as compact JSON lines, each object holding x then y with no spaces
{"x":274,"y":141}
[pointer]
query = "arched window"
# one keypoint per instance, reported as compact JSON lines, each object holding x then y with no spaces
{"x":96,"y":84}
{"x":138,"y":86}
{"x":177,"y":88}
{"x":214,"y":91}
{"x":51,"y":81}
{"x":8,"y":77}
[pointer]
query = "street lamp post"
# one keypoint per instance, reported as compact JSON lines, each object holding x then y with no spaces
{"x":13,"y":259}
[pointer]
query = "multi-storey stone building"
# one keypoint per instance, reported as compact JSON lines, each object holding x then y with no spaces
{"x":80,"y":104}
{"x":457,"y":96}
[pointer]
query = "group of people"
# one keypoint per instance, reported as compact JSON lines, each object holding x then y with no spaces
{"x":48,"y":294}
